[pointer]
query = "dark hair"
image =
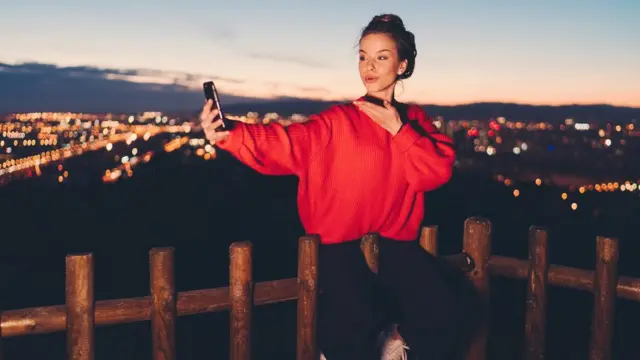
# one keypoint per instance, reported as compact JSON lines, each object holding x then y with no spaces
{"x":393,"y":26}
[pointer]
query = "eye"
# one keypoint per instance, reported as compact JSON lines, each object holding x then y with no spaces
{"x":361,"y":58}
{"x":382,"y":57}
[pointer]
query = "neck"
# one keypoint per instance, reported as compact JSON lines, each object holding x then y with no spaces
{"x":386,"y":94}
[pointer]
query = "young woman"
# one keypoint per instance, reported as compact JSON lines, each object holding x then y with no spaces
{"x":364,"y":168}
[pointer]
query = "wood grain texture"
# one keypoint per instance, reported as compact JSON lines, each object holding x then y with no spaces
{"x":163,"y":303}
{"x":80,"y":307}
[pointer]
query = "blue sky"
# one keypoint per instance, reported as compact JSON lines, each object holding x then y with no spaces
{"x":535,"y":52}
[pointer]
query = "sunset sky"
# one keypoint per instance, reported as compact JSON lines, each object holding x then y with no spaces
{"x":551,"y":52}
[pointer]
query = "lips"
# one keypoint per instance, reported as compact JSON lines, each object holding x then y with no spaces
{"x":370,"y":79}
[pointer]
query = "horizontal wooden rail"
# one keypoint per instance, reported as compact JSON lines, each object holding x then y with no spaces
{"x":47,"y":319}
{"x":81,"y":313}
{"x":563,"y":276}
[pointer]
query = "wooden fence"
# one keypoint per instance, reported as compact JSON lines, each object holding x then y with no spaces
{"x":81,"y":313}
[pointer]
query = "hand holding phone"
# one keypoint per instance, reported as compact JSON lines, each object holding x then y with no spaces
{"x":211,"y":93}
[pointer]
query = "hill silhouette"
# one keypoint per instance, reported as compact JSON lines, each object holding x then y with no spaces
{"x":473,"y":111}
{"x":45,"y":87}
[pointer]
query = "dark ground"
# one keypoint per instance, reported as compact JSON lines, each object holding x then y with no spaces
{"x":200,"y":207}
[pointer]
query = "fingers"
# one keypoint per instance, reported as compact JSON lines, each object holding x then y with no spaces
{"x":366,"y":104}
{"x":367,"y":111}
{"x":365,"y":107}
{"x":360,"y":104}
{"x":207,"y":115}
{"x":217,"y":136}
{"x":216,"y":124}
{"x":207,"y":105}
{"x":210,"y":131}
{"x":368,"y":108}
{"x":210,"y":127}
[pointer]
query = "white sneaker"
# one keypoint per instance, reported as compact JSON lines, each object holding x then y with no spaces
{"x":392,"y":348}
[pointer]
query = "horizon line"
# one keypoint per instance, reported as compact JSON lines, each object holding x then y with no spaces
{"x":283,"y":99}
{"x":467,"y":103}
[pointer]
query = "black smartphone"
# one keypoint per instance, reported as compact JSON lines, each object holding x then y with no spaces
{"x":210,"y":93}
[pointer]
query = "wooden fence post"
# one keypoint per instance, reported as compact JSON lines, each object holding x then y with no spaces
{"x":163,"y":303}
{"x":369,"y":247}
{"x":307,"y":297}
{"x":477,"y":244}
{"x":429,"y":239}
{"x":80,"y":307}
{"x":1,"y":347}
{"x":241,"y":299}
{"x":536,"y":306}
{"x":604,"y":292}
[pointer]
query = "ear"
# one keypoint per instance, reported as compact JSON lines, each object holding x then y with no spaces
{"x":403,"y":67}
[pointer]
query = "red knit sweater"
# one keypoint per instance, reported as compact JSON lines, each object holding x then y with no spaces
{"x":355,"y":177}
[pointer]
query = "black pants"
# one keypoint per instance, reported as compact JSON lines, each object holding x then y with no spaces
{"x":409,"y":289}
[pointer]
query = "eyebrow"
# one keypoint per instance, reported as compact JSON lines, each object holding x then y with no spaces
{"x":383,"y":50}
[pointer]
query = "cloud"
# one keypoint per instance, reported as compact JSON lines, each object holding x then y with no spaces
{"x":290,"y":90}
{"x":46,"y":87}
{"x":228,"y":38}
{"x":135,"y":75}
{"x":314,"y":90}
{"x":289,"y":59}
{"x":36,"y":86}
{"x":221,"y":35}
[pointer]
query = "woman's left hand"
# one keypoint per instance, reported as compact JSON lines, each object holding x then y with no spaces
{"x":387,"y":117}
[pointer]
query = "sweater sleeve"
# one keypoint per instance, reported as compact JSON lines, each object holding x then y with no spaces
{"x":275,"y":149}
{"x":429,"y":155}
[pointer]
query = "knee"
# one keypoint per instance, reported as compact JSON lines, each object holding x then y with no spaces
{"x":339,"y":324}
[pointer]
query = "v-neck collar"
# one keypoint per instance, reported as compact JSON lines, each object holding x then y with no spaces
{"x":403,"y":109}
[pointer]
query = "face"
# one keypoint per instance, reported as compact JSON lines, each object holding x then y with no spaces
{"x":379,"y":64}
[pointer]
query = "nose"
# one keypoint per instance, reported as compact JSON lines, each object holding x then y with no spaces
{"x":370,"y":66}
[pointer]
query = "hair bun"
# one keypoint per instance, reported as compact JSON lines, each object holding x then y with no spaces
{"x":389,"y":19}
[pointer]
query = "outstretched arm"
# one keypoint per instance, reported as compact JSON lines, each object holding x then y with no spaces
{"x":277,"y":150}
{"x":429,"y":155}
